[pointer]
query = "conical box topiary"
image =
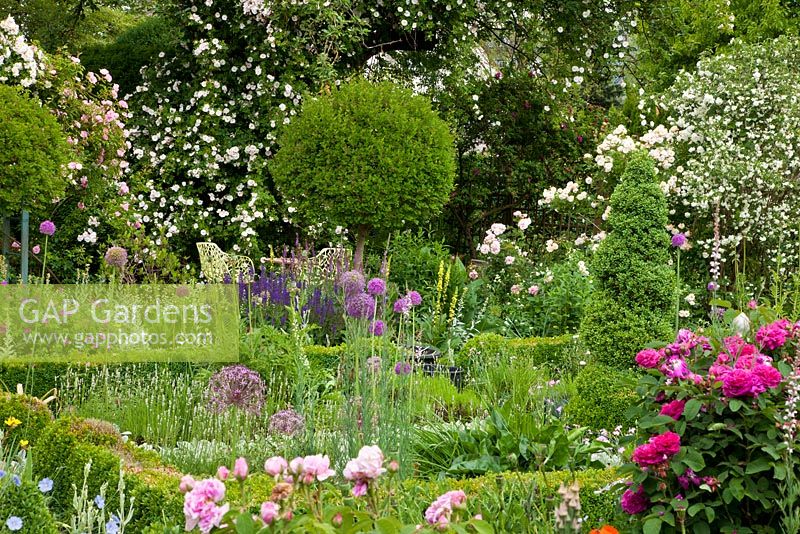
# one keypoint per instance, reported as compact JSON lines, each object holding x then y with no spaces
{"x":634,"y":283}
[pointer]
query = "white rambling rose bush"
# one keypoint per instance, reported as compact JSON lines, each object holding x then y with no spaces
{"x":20,"y":61}
{"x":729,"y":145}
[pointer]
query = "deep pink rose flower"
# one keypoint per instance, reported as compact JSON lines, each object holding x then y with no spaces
{"x":673,"y":409}
{"x":741,"y":383}
{"x":768,"y":375}
{"x":717,"y":371}
{"x":645,"y":455}
{"x":635,"y":502}
{"x":648,"y":358}
{"x":668,"y":443}
{"x":773,"y":336}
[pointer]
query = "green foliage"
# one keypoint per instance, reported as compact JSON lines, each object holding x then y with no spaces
{"x":677,"y":33}
{"x":30,"y":505}
{"x":602,"y":396}
{"x":156,"y":496}
{"x":34,"y":149}
{"x":439,"y":395}
{"x":486,"y":349}
{"x":529,"y":147}
{"x":37,"y":379}
{"x":63,"y":450}
{"x":131,"y":50}
{"x":33,"y":413}
{"x":366,"y":156}
{"x":633,"y":283}
{"x":513,"y":501}
{"x":507,"y":440}
{"x":414,"y":264}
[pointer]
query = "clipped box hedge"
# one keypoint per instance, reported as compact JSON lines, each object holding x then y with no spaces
{"x":504,"y":499}
{"x":535,"y":351}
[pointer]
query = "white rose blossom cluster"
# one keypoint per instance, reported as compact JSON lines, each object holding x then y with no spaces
{"x":729,"y":153}
{"x":20,"y":61}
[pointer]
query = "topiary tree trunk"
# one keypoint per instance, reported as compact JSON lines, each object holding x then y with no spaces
{"x":634,"y":283}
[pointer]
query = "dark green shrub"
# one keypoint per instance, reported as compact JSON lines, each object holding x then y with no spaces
{"x":549,"y":352}
{"x":29,"y":504}
{"x":366,"y":156}
{"x":37,"y":379}
{"x":130,"y":51}
{"x":324,"y":357}
{"x":34,"y":149}
{"x":64,"y":449}
{"x":634,"y":285}
{"x":32,"y":413}
{"x":414,"y":264}
{"x":602,"y":397}
{"x":156,"y":495}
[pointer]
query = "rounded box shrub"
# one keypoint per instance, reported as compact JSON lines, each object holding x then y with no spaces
{"x":33,"y":416}
{"x":603,"y":395}
{"x":366,"y":156}
{"x":64,"y":449}
{"x":28,"y":504}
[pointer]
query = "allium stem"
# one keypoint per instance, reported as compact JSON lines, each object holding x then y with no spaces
{"x":44,"y":259}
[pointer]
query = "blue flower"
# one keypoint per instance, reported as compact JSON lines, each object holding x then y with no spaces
{"x":99,"y":502}
{"x":2,"y":473}
{"x":16,"y":480}
{"x":112,"y":527}
{"x":14,"y":523}
{"x":45,"y":485}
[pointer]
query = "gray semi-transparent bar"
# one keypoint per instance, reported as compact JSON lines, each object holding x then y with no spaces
{"x":106,"y":323}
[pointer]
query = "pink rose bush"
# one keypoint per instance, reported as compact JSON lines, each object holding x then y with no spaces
{"x":440,"y":512}
{"x":711,"y":453}
{"x":296,"y":501}
{"x":364,"y":469}
{"x":200,"y":505}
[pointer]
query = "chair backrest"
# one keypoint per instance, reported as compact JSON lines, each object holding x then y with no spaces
{"x":241,"y":268}
{"x":331,"y":258}
{"x":213,"y":262}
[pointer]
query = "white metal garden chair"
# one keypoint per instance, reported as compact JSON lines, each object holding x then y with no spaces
{"x":216,"y":264}
{"x":331,"y":258}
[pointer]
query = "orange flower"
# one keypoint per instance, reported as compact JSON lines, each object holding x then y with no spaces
{"x":605,"y":529}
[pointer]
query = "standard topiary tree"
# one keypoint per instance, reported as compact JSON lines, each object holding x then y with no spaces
{"x":32,"y":152}
{"x":366,"y":156}
{"x":634,"y":285}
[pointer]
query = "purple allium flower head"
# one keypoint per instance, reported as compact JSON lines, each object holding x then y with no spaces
{"x":712,"y":286}
{"x":287,"y":422}
{"x":352,"y":282}
{"x":360,"y":306}
{"x":377,"y":328}
{"x":678,"y":240}
{"x":415,"y":298}
{"x":47,"y":228}
{"x":402,"y":305}
{"x":117,"y":257}
{"x":236,"y":385}
{"x":402,"y":368}
{"x":376,"y":286}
